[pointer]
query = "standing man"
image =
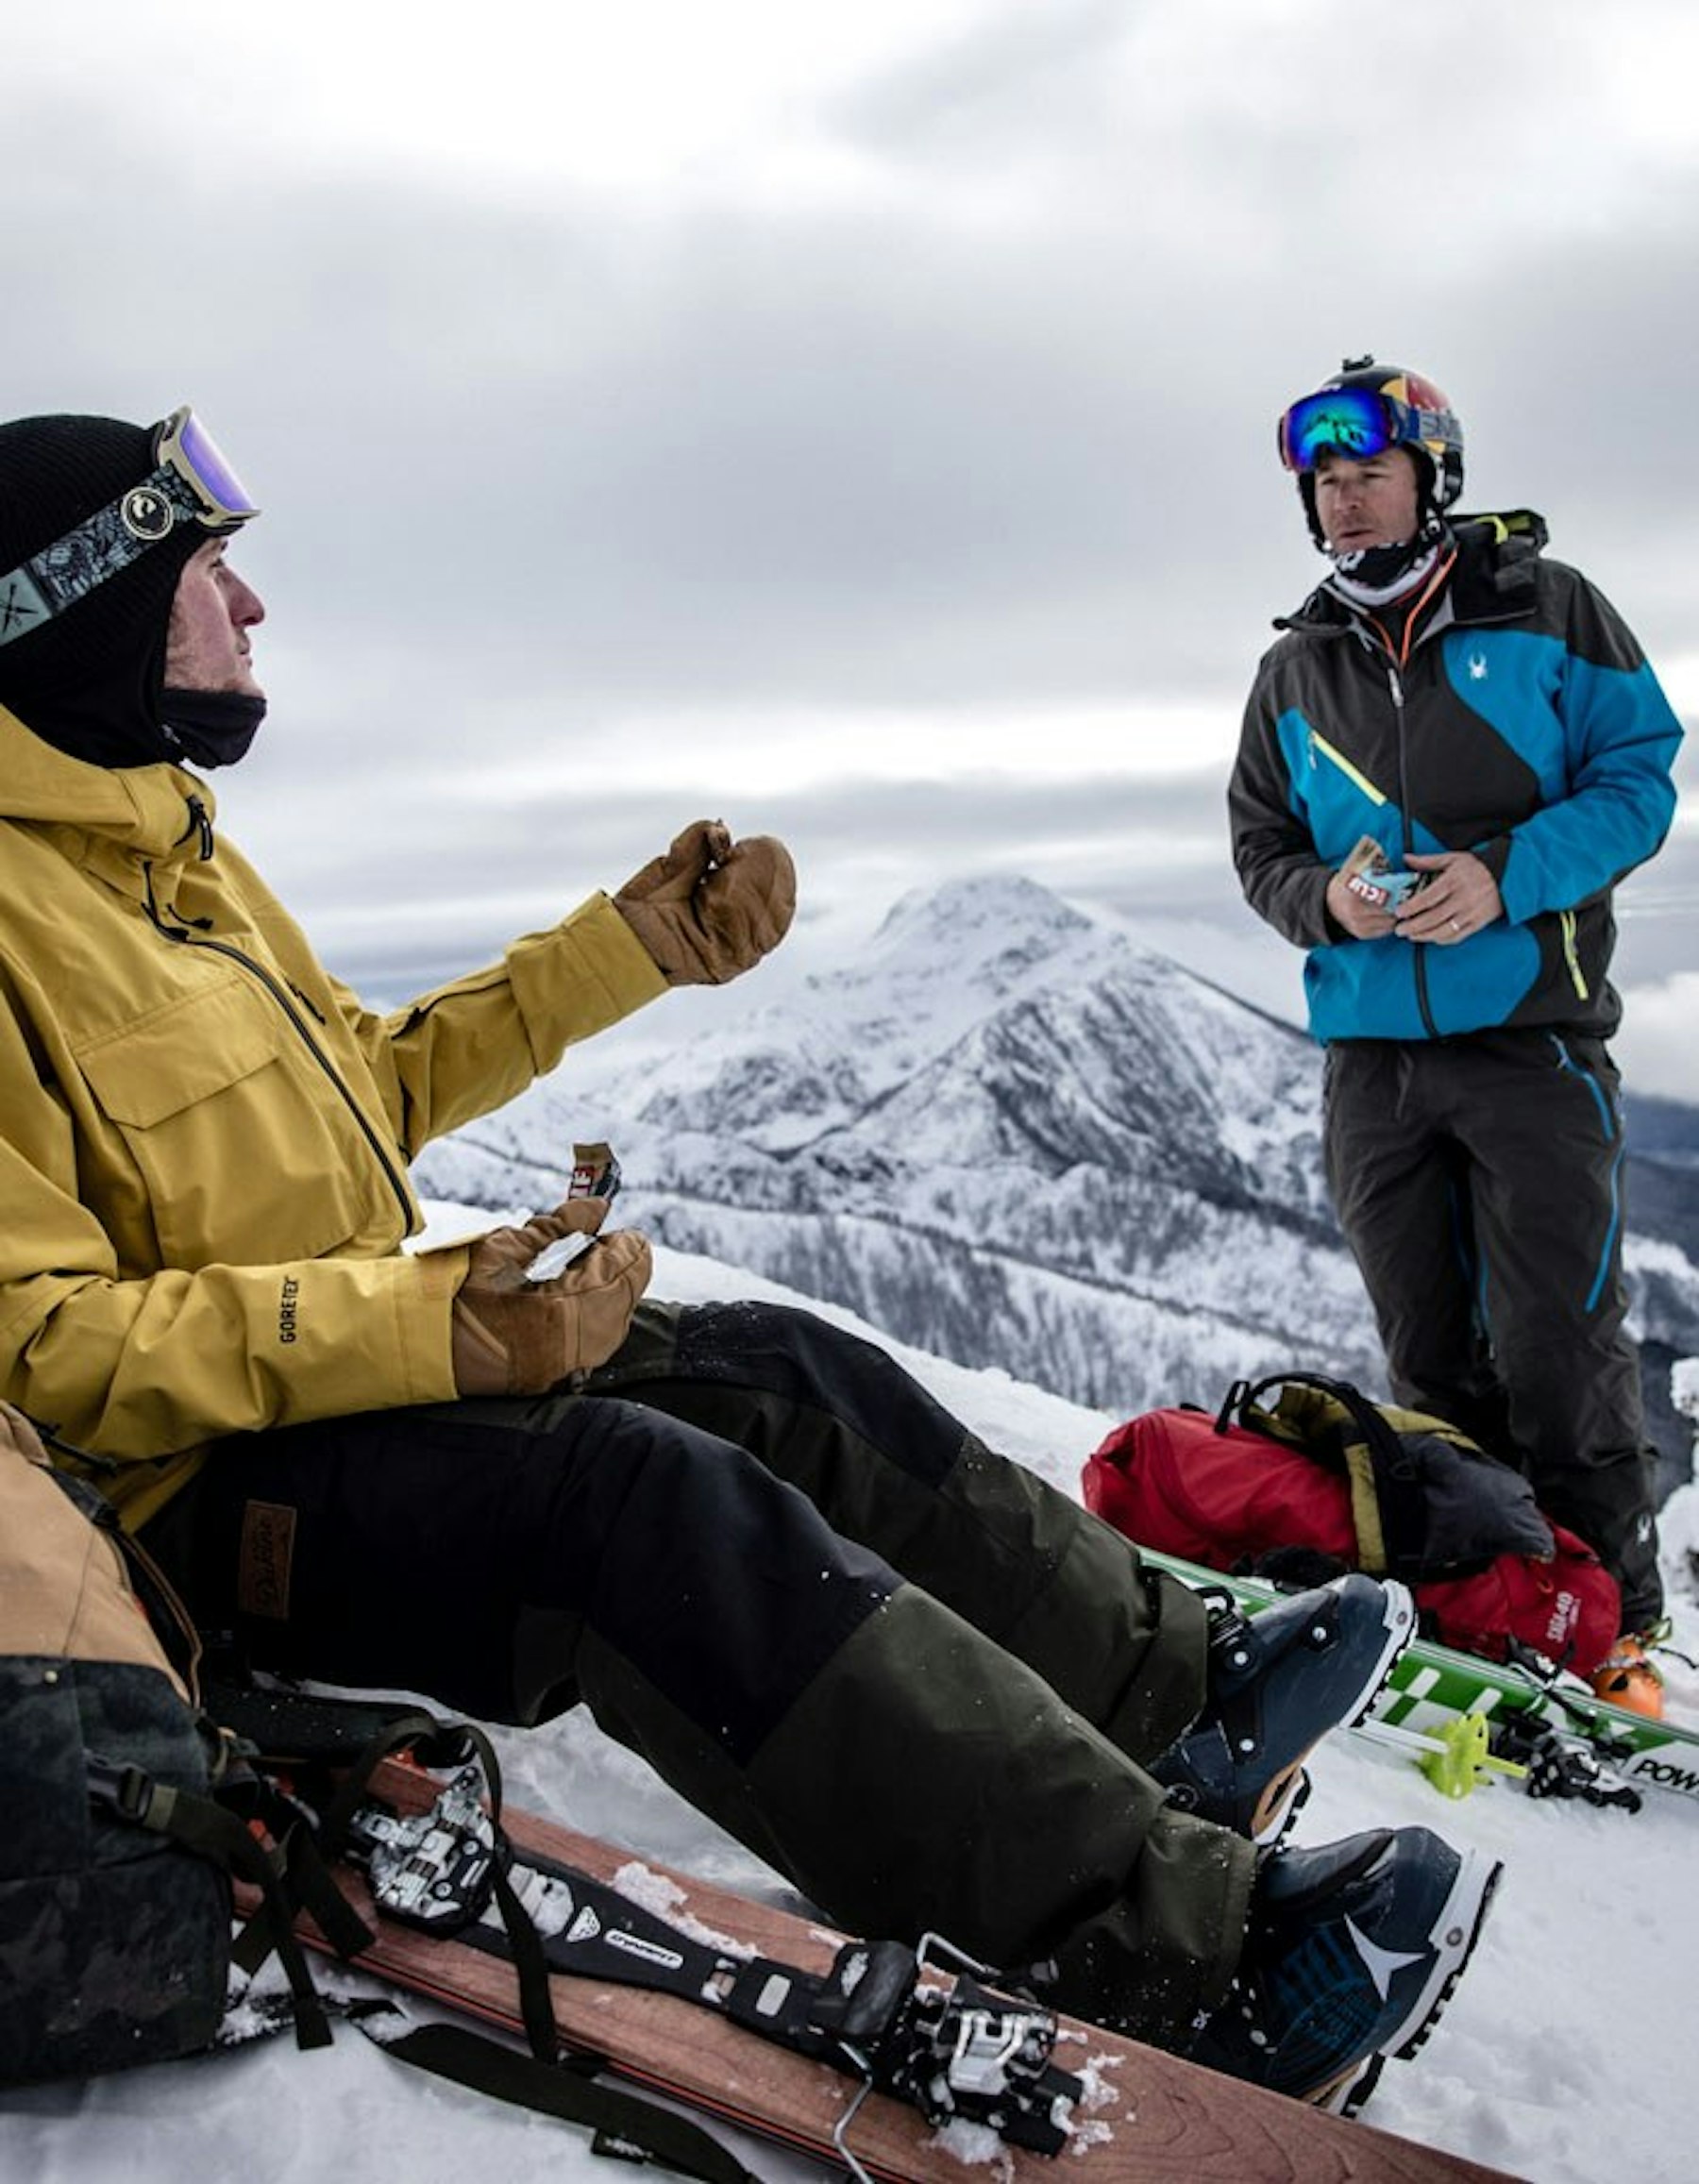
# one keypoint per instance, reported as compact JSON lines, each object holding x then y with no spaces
{"x":1449,"y":758}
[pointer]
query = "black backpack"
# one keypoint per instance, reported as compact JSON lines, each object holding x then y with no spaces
{"x":124,"y":1811}
{"x":114,"y":1935}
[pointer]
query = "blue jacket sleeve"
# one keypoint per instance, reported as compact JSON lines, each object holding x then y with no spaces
{"x":1620,"y":735}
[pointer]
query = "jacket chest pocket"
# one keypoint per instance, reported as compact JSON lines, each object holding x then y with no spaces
{"x":242,"y":1143}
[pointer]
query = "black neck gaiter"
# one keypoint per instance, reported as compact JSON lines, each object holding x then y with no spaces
{"x":209,"y":728}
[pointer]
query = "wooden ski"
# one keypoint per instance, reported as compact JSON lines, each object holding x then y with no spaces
{"x":1145,"y":2117}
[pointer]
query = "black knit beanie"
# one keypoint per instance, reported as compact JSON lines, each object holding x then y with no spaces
{"x":88,"y":682}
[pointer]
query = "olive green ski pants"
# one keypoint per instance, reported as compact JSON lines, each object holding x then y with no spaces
{"x":912,"y":1676}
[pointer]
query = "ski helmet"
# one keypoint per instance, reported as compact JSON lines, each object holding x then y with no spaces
{"x":1364,"y":408}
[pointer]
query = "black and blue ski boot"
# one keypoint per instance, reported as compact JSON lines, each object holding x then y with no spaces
{"x":1351,"y":1953}
{"x":1277,"y":1682}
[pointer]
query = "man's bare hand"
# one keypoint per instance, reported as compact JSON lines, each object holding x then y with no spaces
{"x":1362,"y":921}
{"x":1460,"y":896}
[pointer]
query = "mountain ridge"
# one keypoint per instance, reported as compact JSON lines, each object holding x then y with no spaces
{"x":1010,"y":1133}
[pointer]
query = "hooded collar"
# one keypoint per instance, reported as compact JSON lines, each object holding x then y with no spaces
{"x":113,"y":819}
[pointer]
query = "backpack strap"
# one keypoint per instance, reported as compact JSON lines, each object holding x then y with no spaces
{"x":624,"y":2124}
{"x":353,"y":1737}
{"x":1387,"y":1501}
{"x":345,"y":1741}
{"x":201,"y":1825}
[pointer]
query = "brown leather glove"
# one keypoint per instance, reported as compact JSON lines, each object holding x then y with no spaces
{"x":711,"y":907}
{"x":512,"y":1335}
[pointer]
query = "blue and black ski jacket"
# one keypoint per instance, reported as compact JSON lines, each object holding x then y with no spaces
{"x":1524,"y":726}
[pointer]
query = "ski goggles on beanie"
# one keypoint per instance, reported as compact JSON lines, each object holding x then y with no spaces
{"x":191,"y":482}
{"x":1357,"y":422}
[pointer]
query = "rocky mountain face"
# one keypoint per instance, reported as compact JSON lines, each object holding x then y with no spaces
{"x":1012,"y":1136}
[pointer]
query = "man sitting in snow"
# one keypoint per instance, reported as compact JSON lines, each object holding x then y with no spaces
{"x":926,"y":1688}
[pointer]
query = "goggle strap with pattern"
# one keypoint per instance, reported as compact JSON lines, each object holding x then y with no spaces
{"x":193,"y":483}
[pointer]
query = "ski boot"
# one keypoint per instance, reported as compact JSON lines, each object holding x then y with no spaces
{"x":1628,"y":1678}
{"x":1351,"y":1953}
{"x":1277,"y":1683}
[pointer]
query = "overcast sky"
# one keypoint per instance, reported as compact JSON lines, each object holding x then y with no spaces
{"x":856,"y":423}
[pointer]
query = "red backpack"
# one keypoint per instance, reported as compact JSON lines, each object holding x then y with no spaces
{"x":1326,"y":1480}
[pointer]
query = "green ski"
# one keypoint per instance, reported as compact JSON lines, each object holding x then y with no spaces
{"x":1571,"y":1742}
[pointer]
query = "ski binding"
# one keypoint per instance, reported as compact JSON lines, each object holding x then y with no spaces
{"x":904,"y":2022}
{"x":437,"y":1870}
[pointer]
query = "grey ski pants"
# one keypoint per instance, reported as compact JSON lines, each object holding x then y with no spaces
{"x":1478,"y":1182}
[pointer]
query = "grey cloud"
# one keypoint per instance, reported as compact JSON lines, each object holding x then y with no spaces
{"x":543,"y":468}
{"x":997,"y":78}
{"x":845,"y":452}
{"x":1153,"y":851}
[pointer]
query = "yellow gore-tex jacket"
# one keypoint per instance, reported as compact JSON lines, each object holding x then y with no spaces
{"x":205,"y":1138}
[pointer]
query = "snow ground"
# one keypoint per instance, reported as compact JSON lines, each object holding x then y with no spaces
{"x":1563,"y":2056}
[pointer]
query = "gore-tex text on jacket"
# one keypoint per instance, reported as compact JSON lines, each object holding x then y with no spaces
{"x":1525,"y":726}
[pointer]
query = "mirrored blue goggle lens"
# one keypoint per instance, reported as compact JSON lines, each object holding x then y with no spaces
{"x":1351,"y":420}
{"x":226,"y":494}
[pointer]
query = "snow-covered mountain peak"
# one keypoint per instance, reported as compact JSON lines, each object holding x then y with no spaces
{"x":1001,"y":1128}
{"x":956,"y":949}
{"x":982,"y":921}
{"x":1006,"y":1132}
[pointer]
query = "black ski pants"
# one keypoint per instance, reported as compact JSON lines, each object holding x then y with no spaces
{"x":910,"y":1675}
{"x":1479,"y":1184}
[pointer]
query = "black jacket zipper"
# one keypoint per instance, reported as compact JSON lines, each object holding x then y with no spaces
{"x":1395,"y":684}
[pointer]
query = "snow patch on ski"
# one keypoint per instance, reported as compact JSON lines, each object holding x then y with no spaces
{"x":652,"y":1891}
